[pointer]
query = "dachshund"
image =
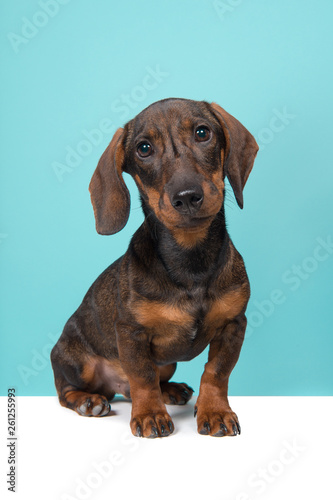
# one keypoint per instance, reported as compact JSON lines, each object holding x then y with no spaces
{"x":180,"y":286}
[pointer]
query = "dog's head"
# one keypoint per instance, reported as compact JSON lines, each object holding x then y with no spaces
{"x":179,"y":152}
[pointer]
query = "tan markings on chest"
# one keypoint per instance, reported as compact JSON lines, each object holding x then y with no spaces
{"x":228,"y":306}
{"x":153,"y":314}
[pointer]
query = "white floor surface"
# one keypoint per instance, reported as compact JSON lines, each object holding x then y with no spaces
{"x":283,"y":453}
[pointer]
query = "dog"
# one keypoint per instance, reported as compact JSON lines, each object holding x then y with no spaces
{"x":180,"y":286}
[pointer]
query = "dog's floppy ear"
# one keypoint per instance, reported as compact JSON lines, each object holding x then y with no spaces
{"x":109,"y":195}
{"x":240,"y":152}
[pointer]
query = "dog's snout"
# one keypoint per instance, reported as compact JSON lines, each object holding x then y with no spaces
{"x":188,"y":201}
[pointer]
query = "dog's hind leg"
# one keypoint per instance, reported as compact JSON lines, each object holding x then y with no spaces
{"x":74,"y":389}
{"x":173,"y":393}
{"x":86,"y":382}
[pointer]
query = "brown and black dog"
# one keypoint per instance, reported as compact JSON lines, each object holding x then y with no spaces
{"x":180,"y":286}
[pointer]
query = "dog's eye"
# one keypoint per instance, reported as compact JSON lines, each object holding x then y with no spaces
{"x":144,"y":149}
{"x":202,"y":133}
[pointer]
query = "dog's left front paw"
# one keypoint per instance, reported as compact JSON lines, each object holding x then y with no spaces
{"x":217,"y":423}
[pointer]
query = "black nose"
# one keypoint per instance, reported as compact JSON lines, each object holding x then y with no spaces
{"x":188,"y":201}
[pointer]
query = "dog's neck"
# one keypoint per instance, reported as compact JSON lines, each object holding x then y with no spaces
{"x":189,"y":266}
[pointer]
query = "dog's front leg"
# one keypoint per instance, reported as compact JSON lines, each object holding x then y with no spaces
{"x":214,"y":415}
{"x":149,"y":416}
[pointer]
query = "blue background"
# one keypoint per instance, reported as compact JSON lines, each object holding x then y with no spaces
{"x":257,"y":59}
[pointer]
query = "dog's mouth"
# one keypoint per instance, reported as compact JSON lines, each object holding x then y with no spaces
{"x":194,"y":223}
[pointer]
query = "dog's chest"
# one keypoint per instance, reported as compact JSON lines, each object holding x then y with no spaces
{"x":181,"y":329}
{"x":177,"y":330}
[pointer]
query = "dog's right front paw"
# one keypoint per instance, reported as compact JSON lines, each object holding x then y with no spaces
{"x":152,"y":425}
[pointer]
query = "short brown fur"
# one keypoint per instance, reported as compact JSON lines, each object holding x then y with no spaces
{"x":150,"y":314}
{"x":180,"y":286}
